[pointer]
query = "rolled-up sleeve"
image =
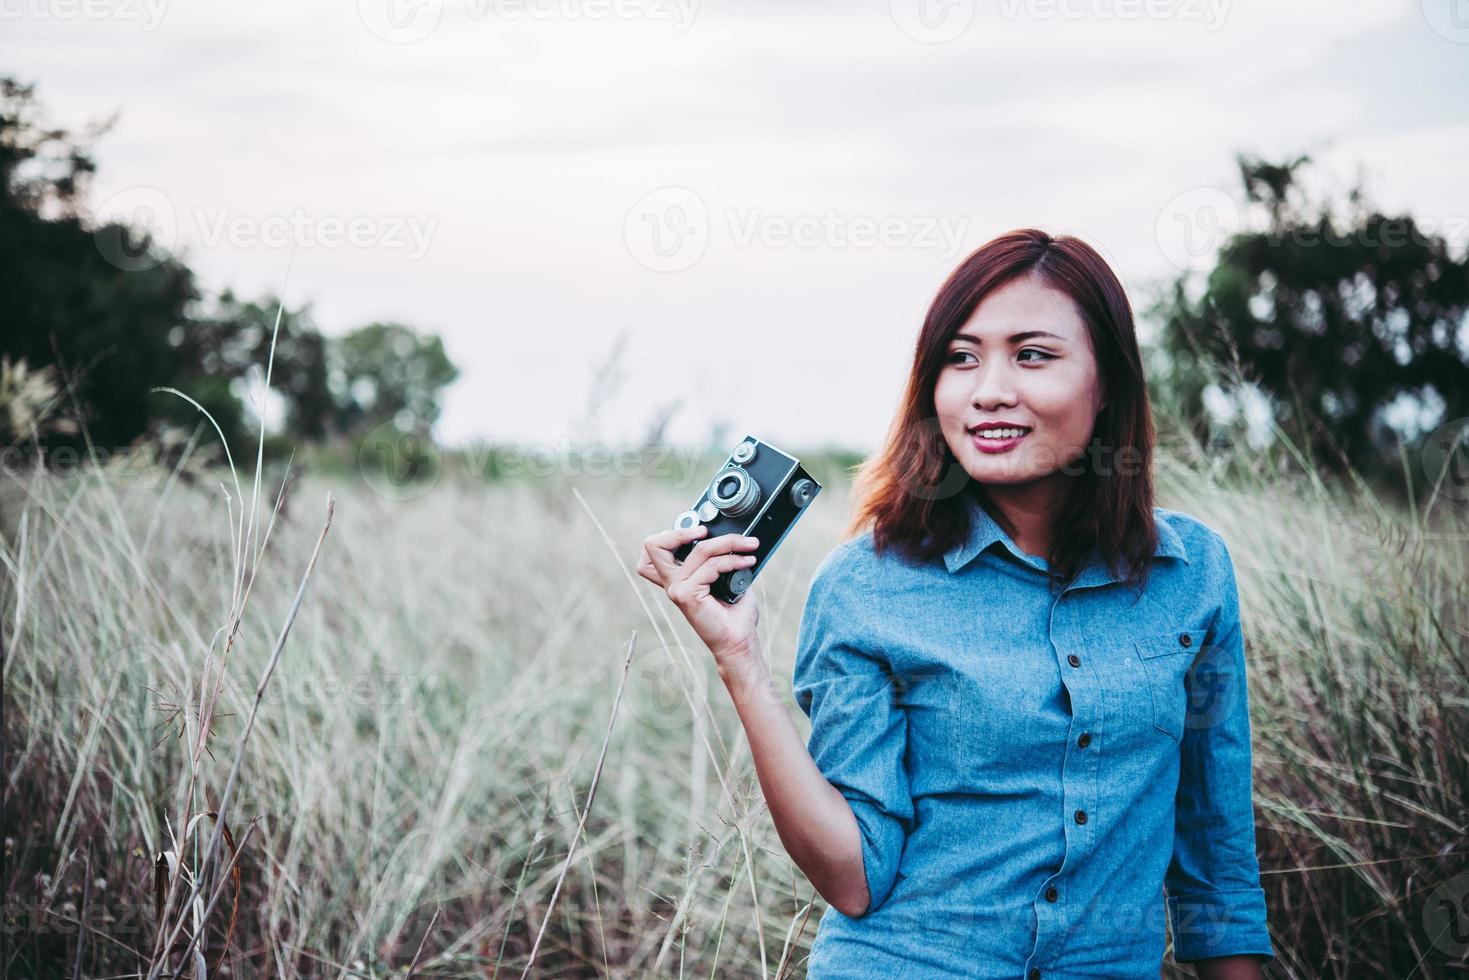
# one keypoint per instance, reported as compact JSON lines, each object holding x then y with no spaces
{"x":1216,"y":906}
{"x":858,"y":733}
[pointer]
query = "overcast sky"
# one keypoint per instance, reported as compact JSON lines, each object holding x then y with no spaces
{"x":763,"y":195}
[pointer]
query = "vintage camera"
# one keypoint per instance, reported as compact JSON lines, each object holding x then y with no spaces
{"x":760,"y":491}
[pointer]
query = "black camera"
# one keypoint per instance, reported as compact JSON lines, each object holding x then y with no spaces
{"x":759,"y":491}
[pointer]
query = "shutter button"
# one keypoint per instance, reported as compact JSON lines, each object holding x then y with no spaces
{"x":1185,"y":639}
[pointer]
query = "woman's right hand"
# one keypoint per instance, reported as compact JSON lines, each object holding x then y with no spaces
{"x":728,"y":630}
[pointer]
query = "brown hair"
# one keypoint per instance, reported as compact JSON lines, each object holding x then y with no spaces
{"x":916,"y":495}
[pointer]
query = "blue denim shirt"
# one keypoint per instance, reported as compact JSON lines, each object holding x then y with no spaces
{"x":1041,"y":779}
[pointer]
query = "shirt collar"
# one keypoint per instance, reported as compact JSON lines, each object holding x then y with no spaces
{"x":984,"y":532}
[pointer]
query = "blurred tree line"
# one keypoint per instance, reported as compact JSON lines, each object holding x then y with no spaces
{"x":87,"y":335}
{"x":1352,"y":323}
{"x":1351,"y":326}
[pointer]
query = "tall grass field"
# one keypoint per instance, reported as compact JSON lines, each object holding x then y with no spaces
{"x":291,"y":725}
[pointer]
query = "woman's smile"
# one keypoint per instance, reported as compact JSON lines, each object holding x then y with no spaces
{"x":997,"y":440}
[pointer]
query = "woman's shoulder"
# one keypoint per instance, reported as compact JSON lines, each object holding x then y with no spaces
{"x":1203,"y":545}
{"x":849,"y":561}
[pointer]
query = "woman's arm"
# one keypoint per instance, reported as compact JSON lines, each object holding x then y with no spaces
{"x":1229,"y":968}
{"x":1215,"y":903}
{"x":840,"y":801}
{"x":813,"y":819}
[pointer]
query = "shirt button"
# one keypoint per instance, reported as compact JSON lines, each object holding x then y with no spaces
{"x":1085,"y":740}
{"x":1035,"y":975}
{"x":1074,"y":660}
{"x":1081,"y":816}
{"x":1051,"y":894}
{"x":1185,"y":639}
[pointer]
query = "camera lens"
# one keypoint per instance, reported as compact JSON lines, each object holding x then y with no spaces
{"x":734,"y":492}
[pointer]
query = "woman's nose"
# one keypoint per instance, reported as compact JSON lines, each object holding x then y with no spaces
{"x":994,"y":385}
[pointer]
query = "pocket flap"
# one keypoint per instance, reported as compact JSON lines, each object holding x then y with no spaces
{"x":1167,"y":644}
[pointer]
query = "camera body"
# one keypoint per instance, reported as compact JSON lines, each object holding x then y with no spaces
{"x":759,"y":491}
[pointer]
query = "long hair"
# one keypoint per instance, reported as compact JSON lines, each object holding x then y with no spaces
{"x":915,"y":494}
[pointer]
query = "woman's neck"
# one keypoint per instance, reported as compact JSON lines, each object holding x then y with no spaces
{"x":1027,"y":512}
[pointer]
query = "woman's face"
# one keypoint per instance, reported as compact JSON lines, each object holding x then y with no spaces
{"x":1023,"y":358}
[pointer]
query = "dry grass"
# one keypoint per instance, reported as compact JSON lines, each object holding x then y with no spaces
{"x":417,"y":772}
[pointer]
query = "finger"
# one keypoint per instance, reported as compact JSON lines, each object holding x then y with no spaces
{"x":658,"y":548}
{"x":648,"y":571}
{"x":724,"y":544}
{"x":716,"y":566}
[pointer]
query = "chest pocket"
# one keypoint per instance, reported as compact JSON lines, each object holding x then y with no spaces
{"x":1166,"y":659}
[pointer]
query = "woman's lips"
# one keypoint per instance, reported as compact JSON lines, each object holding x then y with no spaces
{"x":988,"y":445}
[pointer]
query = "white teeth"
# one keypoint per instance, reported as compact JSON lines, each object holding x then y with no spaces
{"x":1000,"y":433}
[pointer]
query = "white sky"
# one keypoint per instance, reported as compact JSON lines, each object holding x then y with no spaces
{"x":496,"y":159}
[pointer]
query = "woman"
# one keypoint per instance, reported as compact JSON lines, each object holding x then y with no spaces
{"x":1026,"y":683}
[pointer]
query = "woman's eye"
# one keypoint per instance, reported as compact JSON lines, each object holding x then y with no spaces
{"x":954,"y":356}
{"x":1044,"y":356}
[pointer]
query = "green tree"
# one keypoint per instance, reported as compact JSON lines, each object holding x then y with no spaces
{"x":66,"y":299}
{"x":235,"y":337}
{"x":383,"y":370}
{"x":1336,"y":317}
{"x":110,"y":313}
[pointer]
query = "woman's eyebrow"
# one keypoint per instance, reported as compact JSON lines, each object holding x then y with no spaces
{"x":1014,"y":338}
